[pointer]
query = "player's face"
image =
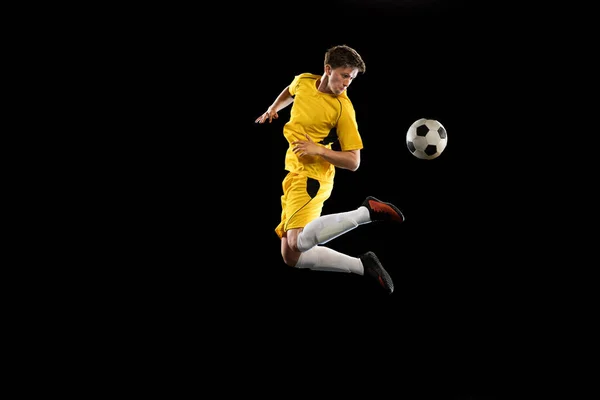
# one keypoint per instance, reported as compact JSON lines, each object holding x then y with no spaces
{"x":340,"y":78}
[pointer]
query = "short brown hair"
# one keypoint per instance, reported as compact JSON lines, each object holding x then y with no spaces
{"x":344,"y":56}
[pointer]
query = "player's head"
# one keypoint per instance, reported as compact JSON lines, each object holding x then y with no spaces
{"x":342,"y":65}
{"x":344,"y":56}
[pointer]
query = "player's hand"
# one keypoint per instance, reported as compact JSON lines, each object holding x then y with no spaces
{"x":269,"y":114}
{"x":306,"y":147}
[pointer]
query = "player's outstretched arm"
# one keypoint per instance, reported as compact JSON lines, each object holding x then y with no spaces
{"x":283,"y":100}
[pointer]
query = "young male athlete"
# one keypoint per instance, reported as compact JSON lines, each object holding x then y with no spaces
{"x":321,"y":115}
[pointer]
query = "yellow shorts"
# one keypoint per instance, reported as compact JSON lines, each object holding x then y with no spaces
{"x":301,"y":202}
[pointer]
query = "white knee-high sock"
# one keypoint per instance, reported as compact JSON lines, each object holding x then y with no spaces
{"x":321,"y":258}
{"x":328,"y":227}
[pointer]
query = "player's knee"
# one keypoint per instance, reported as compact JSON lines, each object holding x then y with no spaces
{"x":289,"y":251}
{"x":290,"y":260}
{"x":291,"y":243}
{"x":290,"y":257}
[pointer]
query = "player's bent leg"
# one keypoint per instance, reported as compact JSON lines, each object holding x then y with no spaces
{"x":328,"y":227}
{"x":321,"y":258}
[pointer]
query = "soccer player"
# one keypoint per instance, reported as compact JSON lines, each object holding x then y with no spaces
{"x":322,"y":114}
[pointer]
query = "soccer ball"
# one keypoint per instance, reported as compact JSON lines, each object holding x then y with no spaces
{"x":426,"y":139}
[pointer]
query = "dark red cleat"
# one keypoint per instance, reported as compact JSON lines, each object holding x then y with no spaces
{"x":382,"y":211}
{"x":375,"y":270}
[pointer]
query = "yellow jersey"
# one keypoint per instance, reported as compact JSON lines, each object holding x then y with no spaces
{"x":326,"y":118}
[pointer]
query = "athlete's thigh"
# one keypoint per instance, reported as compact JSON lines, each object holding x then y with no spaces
{"x":304,"y":201}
